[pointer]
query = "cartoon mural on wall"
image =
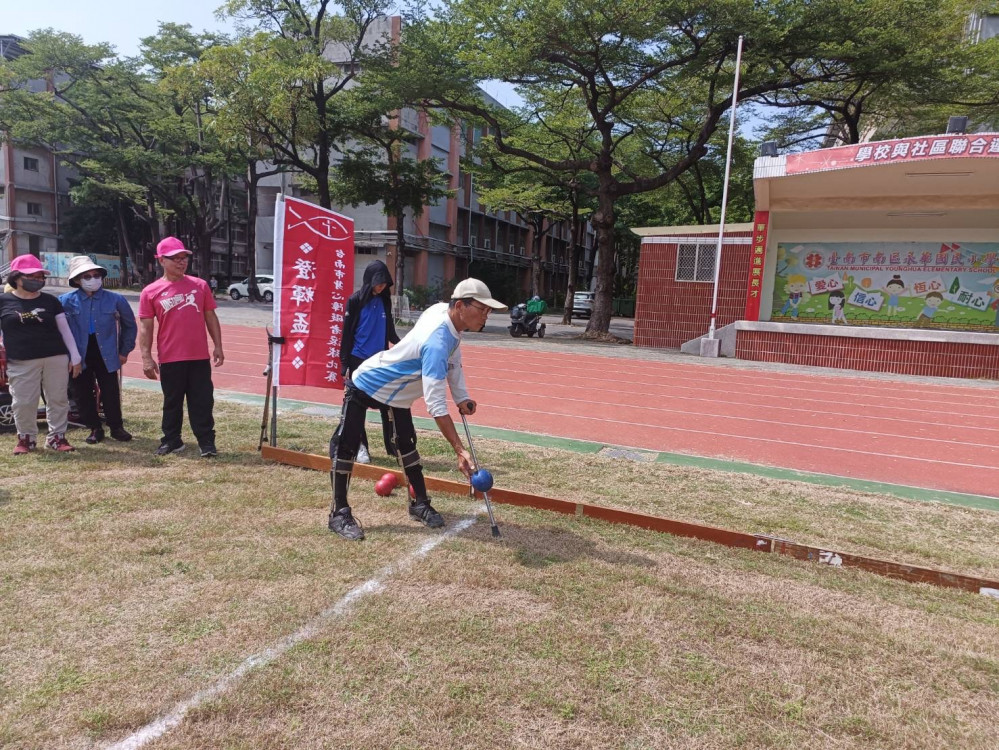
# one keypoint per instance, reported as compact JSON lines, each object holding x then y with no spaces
{"x":902,"y":284}
{"x":58,"y":265}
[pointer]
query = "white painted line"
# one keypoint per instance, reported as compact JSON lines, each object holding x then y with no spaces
{"x":156,"y":729}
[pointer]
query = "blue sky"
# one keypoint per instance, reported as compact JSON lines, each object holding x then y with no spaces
{"x":121,"y":22}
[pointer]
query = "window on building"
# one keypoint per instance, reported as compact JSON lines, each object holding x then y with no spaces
{"x":695,"y":261}
{"x":30,"y":164}
{"x":34,"y":209}
{"x":35,"y":245}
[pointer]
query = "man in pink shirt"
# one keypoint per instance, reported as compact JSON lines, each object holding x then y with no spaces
{"x":182,"y":306}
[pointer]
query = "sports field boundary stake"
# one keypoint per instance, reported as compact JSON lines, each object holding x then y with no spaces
{"x":739,"y":539}
{"x":159,"y":727}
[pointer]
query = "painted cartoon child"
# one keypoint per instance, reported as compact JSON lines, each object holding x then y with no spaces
{"x":931,"y":303}
{"x":837,"y":301}
{"x":795,"y":288}
{"x":995,"y":300}
{"x":894,"y":288}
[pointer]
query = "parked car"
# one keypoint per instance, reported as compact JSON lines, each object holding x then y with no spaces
{"x":582,"y":304}
{"x":265,"y":285}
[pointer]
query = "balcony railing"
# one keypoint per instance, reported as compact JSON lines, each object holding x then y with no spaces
{"x":442,"y":247}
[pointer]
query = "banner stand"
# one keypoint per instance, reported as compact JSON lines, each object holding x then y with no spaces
{"x":313,"y":277}
{"x":269,"y":389}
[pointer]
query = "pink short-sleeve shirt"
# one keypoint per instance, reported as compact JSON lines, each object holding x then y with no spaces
{"x":179,"y":308}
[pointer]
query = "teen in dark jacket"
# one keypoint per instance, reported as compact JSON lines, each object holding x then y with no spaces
{"x":368,"y":329}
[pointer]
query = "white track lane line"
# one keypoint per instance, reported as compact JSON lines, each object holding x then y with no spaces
{"x":156,"y":729}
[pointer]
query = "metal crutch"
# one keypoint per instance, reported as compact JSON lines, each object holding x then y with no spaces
{"x":489,"y":505}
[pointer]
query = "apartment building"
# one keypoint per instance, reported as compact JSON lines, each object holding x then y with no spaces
{"x":34,"y":189}
{"x":449,"y":238}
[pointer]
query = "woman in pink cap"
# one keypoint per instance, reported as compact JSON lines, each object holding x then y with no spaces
{"x":41,"y":353}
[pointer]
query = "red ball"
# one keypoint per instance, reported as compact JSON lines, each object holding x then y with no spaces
{"x":390,"y":479}
{"x":383,"y":488}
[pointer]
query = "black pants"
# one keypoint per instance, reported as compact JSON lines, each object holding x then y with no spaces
{"x":191,"y":379}
{"x":85,"y":396}
{"x":355,"y":362}
{"x":347,"y":438}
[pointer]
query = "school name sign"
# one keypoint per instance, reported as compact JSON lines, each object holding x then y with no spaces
{"x":904,"y":150}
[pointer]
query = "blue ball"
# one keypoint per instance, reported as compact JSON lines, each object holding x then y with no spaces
{"x":482,"y":480}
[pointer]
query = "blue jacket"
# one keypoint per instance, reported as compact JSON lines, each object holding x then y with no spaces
{"x":114,"y":324}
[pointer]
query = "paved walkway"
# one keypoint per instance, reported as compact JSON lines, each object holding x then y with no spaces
{"x":931,"y":438}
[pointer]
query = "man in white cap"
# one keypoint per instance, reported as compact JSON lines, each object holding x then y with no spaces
{"x":417,"y":366}
{"x":182,"y":306}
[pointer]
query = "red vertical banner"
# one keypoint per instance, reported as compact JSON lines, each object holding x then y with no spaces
{"x":757,"y":264}
{"x":313,"y":277}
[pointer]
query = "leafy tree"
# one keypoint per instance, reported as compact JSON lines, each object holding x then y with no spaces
{"x":377,"y":164}
{"x":904,"y":65}
{"x":123,"y":129}
{"x":300,"y":56}
{"x":655,"y":78}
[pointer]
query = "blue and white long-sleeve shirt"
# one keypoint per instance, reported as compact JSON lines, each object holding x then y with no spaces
{"x":417,"y":366}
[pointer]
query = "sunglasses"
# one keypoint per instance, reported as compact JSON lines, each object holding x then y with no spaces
{"x":89,"y":276}
{"x":178,"y":258}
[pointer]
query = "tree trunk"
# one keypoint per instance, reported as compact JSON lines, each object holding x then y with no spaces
{"x":150,"y":266}
{"x":539,"y":238}
{"x":125,"y":248}
{"x":251,"y":229}
{"x":603,"y":222}
{"x":570,"y":287}
{"x":400,"y":251}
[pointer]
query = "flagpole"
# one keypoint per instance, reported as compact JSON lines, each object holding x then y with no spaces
{"x":728,"y":167}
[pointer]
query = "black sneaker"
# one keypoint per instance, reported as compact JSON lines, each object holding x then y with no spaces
{"x":120,"y":434}
{"x":208,"y":451}
{"x":342,"y":522}
{"x":425,"y":514}
{"x":96,"y":436}
{"x":173,"y":447}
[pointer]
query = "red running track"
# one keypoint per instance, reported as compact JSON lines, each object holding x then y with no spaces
{"x":937,"y":436}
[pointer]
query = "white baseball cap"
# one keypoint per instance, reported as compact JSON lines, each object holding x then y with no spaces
{"x":475,"y":289}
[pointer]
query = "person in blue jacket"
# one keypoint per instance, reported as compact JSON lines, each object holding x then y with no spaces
{"x":103,"y":326}
{"x":368,"y":329}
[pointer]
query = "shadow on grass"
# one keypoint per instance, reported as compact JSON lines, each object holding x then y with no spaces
{"x":540,"y":547}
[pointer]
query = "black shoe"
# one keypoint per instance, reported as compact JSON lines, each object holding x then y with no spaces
{"x":121,"y":434}
{"x":425,"y":514}
{"x":173,"y":447}
{"x":342,"y":522}
{"x":208,"y":450}
{"x":96,"y":436}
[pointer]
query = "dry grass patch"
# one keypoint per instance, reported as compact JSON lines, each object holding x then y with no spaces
{"x":131,"y":582}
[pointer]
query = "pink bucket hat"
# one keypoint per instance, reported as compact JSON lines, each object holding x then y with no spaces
{"x":28,"y":264}
{"x":170,"y":246}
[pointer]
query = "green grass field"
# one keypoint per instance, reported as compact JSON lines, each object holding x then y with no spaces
{"x":130,"y":583}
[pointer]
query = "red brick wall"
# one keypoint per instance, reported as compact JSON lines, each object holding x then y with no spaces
{"x":669,"y":312}
{"x":940,"y":359}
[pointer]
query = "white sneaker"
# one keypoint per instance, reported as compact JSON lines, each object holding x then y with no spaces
{"x":362,"y":456}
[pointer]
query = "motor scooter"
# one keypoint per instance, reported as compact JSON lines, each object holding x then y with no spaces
{"x":526,"y":323}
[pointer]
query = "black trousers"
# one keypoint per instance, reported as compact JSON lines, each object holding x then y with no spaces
{"x":85,"y":396}
{"x":347,"y":438}
{"x":355,"y":362}
{"x":191,"y":379}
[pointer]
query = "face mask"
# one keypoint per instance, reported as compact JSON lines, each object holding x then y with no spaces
{"x":90,"y":285}
{"x":32,"y":285}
